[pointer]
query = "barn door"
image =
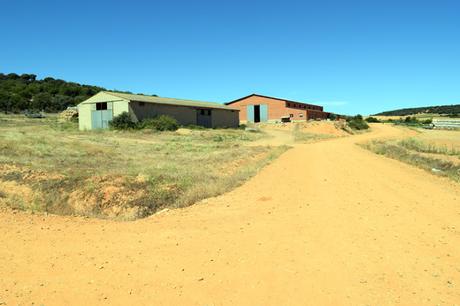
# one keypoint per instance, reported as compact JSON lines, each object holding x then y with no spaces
{"x":101,"y":115}
{"x":96,"y":119}
{"x":250,"y":113}
{"x":263,"y":112}
{"x":106,"y":117}
{"x":204,"y":117}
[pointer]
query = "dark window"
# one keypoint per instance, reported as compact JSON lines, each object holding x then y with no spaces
{"x":101,"y":106}
{"x":141,"y":103}
{"x":288,"y":104}
{"x":205,"y":112}
{"x":291,"y":115}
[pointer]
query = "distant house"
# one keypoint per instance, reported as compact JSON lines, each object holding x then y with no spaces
{"x":98,"y":111}
{"x":259,"y":108}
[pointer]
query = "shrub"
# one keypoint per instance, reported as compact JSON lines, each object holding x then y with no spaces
{"x":412,"y":120}
{"x":160,"y":123}
{"x":372,"y":120}
{"x":122,"y":122}
{"x":427,"y":121}
{"x":357,"y":123}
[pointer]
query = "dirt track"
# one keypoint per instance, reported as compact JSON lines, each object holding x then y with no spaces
{"x":326,"y":224}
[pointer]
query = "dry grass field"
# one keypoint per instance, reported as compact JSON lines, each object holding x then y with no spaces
{"x":50,"y":166}
{"x":437,"y":151}
{"x":447,"y":139}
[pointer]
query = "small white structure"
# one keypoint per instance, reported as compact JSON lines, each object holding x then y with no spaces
{"x":447,"y":123}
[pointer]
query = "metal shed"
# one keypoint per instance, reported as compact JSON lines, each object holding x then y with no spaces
{"x":99,"y":110}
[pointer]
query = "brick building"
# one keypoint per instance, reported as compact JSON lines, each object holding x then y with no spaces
{"x":258,"y":108}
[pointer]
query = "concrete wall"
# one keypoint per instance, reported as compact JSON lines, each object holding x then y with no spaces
{"x":119,"y":107}
{"x":183,"y":114}
{"x":225,"y":118}
{"x":84,"y":117}
{"x":279,"y":108}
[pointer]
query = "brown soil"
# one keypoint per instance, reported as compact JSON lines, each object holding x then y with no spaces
{"x":327,"y":223}
{"x":115,"y":198}
{"x":282,"y":133}
{"x":331,"y":128}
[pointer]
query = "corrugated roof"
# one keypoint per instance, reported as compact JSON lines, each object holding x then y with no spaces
{"x":169,"y":101}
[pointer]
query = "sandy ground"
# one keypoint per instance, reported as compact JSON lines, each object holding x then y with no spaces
{"x":282,"y":133}
{"x":326,"y":224}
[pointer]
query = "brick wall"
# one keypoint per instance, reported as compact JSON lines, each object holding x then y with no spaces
{"x":280,"y":108}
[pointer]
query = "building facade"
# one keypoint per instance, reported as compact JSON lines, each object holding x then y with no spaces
{"x":99,"y":110}
{"x":259,"y":108}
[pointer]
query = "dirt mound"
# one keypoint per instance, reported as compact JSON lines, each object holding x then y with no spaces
{"x":102,"y":196}
{"x":333,"y":128}
{"x":15,"y":195}
{"x":110,"y":197}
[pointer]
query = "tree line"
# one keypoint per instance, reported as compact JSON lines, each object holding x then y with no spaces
{"x":442,"y":109}
{"x":25,"y":93}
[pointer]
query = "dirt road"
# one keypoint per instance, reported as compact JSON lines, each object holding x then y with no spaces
{"x":326,"y":224}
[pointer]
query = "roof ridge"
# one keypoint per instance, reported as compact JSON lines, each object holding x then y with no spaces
{"x":161,"y":97}
{"x":167,"y":100}
{"x":264,"y":96}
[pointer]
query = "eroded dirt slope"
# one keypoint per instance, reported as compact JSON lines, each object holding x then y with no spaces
{"x":326,"y":224}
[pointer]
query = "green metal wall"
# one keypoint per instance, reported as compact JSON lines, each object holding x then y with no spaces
{"x":115,"y":107}
{"x":90,"y":118}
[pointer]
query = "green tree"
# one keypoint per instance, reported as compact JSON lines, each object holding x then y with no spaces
{"x":4,"y":101}
{"x":25,"y":91}
{"x":41,"y":102}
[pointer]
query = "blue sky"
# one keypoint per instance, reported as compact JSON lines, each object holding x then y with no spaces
{"x":350,"y":56}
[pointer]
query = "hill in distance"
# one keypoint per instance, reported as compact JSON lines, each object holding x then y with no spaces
{"x":449,"y":110}
{"x":26,"y":93}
